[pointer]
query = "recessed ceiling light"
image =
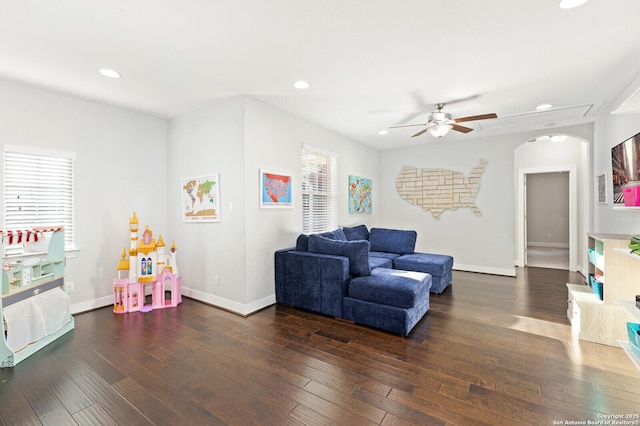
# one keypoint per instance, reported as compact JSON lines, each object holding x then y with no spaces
{"x":570,"y":4}
{"x":301,"y":84}
{"x":558,"y":138}
{"x":383,"y":132}
{"x":543,"y":106}
{"x":109,"y":73}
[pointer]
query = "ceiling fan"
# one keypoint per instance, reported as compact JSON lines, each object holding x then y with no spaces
{"x":440,"y":123}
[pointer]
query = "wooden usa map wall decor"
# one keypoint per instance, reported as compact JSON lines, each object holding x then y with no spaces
{"x":437,"y":190}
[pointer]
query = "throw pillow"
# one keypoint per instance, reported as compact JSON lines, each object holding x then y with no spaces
{"x":393,"y":240}
{"x":356,"y":251}
{"x":359,"y":232}
{"x":336,"y":234}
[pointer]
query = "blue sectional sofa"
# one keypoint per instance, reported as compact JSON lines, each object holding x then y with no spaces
{"x":372,"y":277}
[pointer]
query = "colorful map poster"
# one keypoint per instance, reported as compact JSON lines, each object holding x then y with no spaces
{"x":360,"y":195}
{"x":276,"y":189}
{"x":200,"y":198}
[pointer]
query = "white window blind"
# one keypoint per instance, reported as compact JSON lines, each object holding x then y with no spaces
{"x":319,"y":206}
{"x":38,"y":190}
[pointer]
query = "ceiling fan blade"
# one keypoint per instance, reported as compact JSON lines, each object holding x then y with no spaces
{"x":411,"y":116}
{"x":458,"y":100}
{"x":420,"y":107}
{"x":462,"y":129}
{"x":420,"y":132}
{"x":475,"y":117}
{"x":407,"y":125}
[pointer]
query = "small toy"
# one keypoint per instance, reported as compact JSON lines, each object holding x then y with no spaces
{"x":148,"y":264}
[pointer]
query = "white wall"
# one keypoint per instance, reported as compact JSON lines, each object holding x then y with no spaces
{"x":210,"y":140}
{"x":481,"y":244}
{"x":236,"y":138}
{"x":610,"y":131}
{"x":273,"y":141}
{"x":120,"y":168}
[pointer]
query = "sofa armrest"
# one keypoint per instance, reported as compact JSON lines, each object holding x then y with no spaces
{"x":313,"y":281}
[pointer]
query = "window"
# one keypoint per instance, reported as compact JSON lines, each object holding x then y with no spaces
{"x":319,"y":206}
{"x":38,"y":190}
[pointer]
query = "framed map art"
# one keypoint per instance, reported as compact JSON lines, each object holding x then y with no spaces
{"x":276,"y":189}
{"x":200,"y":199}
{"x":360,"y":195}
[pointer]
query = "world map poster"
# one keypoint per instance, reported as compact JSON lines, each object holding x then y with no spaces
{"x":276,"y":189}
{"x":200,"y":198}
{"x":360,"y":195}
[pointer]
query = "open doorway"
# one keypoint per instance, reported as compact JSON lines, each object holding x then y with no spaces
{"x":544,"y":156}
{"x":522,"y":210}
{"x":547,"y":220}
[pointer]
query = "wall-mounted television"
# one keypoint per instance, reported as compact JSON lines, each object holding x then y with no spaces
{"x":625,"y":166}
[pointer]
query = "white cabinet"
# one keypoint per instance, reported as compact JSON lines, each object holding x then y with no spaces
{"x":605,"y":321}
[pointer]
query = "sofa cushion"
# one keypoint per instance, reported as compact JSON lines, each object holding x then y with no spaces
{"x":434,"y":264}
{"x":389,"y":256}
{"x":357,"y":252}
{"x":402,"y":289}
{"x":336,"y":234}
{"x":392,"y":240}
{"x":379,"y":262}
{"x":302,"y":242}
{"x":359,"y":232}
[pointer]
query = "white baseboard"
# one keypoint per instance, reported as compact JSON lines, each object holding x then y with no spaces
{"x":228,"y":305}
{"x":90,"y":305}
{"x":546,"y":244}
{"x":485,"y":270}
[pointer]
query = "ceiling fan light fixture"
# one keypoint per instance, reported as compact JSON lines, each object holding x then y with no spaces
{"x":440,"y":130}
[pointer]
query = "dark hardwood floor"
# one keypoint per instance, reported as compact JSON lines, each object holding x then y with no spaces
{"x":491,"y":351}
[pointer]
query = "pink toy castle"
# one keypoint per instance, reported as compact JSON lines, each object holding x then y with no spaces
{"x":148,"y":264}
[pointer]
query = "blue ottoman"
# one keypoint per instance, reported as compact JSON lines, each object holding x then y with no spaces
{"x":439,"y":266}
{"x":388,"y":299}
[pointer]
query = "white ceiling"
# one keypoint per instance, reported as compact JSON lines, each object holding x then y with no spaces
{"x":371,"y":63}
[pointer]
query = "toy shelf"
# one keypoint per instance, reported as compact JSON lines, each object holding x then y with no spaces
{"x":626,"y":346}
{"x":9,"y":357}
{"x":24,"y":277}
{"x":21,"y":275}
{"x":602,"y":320}
{"x":630,"y":305}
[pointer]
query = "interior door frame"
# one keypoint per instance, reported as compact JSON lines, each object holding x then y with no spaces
{"x":521,"y":239}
